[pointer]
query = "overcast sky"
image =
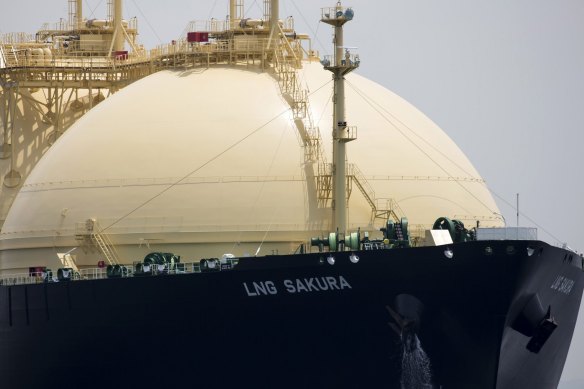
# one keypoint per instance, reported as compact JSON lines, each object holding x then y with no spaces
{"x":503,"y":78}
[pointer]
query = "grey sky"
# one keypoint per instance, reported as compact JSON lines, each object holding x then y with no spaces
{"x":502,"y":77}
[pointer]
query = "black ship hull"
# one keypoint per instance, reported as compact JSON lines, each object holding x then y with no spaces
{"x":471,"y":315}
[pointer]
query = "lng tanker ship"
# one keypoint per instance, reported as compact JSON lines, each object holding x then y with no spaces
{"x":480,"y":314}
{"x":392,"y":304}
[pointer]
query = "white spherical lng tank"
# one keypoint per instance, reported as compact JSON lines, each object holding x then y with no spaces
{"x":208,"y":161}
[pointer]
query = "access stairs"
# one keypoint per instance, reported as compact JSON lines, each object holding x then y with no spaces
{"x":383,"y":209}
{"x":91,"y":236}
{"x":286,"y":61}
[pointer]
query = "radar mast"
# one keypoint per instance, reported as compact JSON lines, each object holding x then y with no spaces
{"x":343,"y":61}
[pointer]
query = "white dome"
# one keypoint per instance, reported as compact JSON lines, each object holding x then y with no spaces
{"x":235,"y":133}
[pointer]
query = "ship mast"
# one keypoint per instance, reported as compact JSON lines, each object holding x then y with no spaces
{"x":274,"y":16}
{"x":75,"y":14}
{"x":235,"y":13}
{"x":118,"y":38}
{"x":341,"y":63}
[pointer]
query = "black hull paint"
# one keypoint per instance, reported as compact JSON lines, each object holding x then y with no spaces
{"x":219,"y":330}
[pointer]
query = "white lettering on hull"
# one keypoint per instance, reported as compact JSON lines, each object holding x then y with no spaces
{"x":297,"y":285}
{"x":262,"y":288}
{"x":563,"y":285}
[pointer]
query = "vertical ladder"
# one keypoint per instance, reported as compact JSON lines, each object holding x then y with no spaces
{"x":2,"y":57}
{"x":324,"y":183}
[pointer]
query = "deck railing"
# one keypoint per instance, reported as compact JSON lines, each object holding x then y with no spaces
{"x":121,"y":271}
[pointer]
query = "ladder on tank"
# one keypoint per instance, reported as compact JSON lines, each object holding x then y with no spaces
{"x":285,"y":64}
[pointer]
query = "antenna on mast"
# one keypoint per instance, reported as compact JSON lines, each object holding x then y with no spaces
{"x":341,"y":63}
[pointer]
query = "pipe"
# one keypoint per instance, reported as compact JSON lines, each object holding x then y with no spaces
{"x":118,"y":44}
{"x":231,"y":14}
{"x":79,"y":13}
{"x":274,"y":16}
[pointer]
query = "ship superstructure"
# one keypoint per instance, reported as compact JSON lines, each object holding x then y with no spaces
{"x":64,"y":70}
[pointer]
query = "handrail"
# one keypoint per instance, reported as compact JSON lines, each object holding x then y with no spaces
{"x":26,"y":56}
{"x":390,"y":209}
{"x":2,"y":57}
{"x":101,"y":273}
